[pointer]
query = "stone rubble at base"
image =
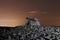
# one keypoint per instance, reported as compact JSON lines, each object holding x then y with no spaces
{"x":26,"y":33}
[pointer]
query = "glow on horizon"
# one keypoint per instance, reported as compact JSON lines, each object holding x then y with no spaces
{"x":10,"y":22}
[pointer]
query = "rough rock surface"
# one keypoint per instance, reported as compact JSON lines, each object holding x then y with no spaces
{"x":30,"y":33}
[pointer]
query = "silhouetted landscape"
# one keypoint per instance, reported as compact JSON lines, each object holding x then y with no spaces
{"x":32,"y":30}
{"x":30,"y":33}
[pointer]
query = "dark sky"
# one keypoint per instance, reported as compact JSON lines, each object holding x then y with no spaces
{"x":14,"y":12}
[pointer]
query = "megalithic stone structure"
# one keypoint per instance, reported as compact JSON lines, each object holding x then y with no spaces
{"x":37,"y":23}
{"x":35,"y":20}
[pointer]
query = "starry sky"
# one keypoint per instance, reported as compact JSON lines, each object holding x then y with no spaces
{"x":14,"y":12}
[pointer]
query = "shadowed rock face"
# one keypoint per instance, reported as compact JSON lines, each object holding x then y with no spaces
{"x":30,"y":33}
{"x":24,"y":32}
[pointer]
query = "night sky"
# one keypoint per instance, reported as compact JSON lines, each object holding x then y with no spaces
{"x":14,"y":12}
